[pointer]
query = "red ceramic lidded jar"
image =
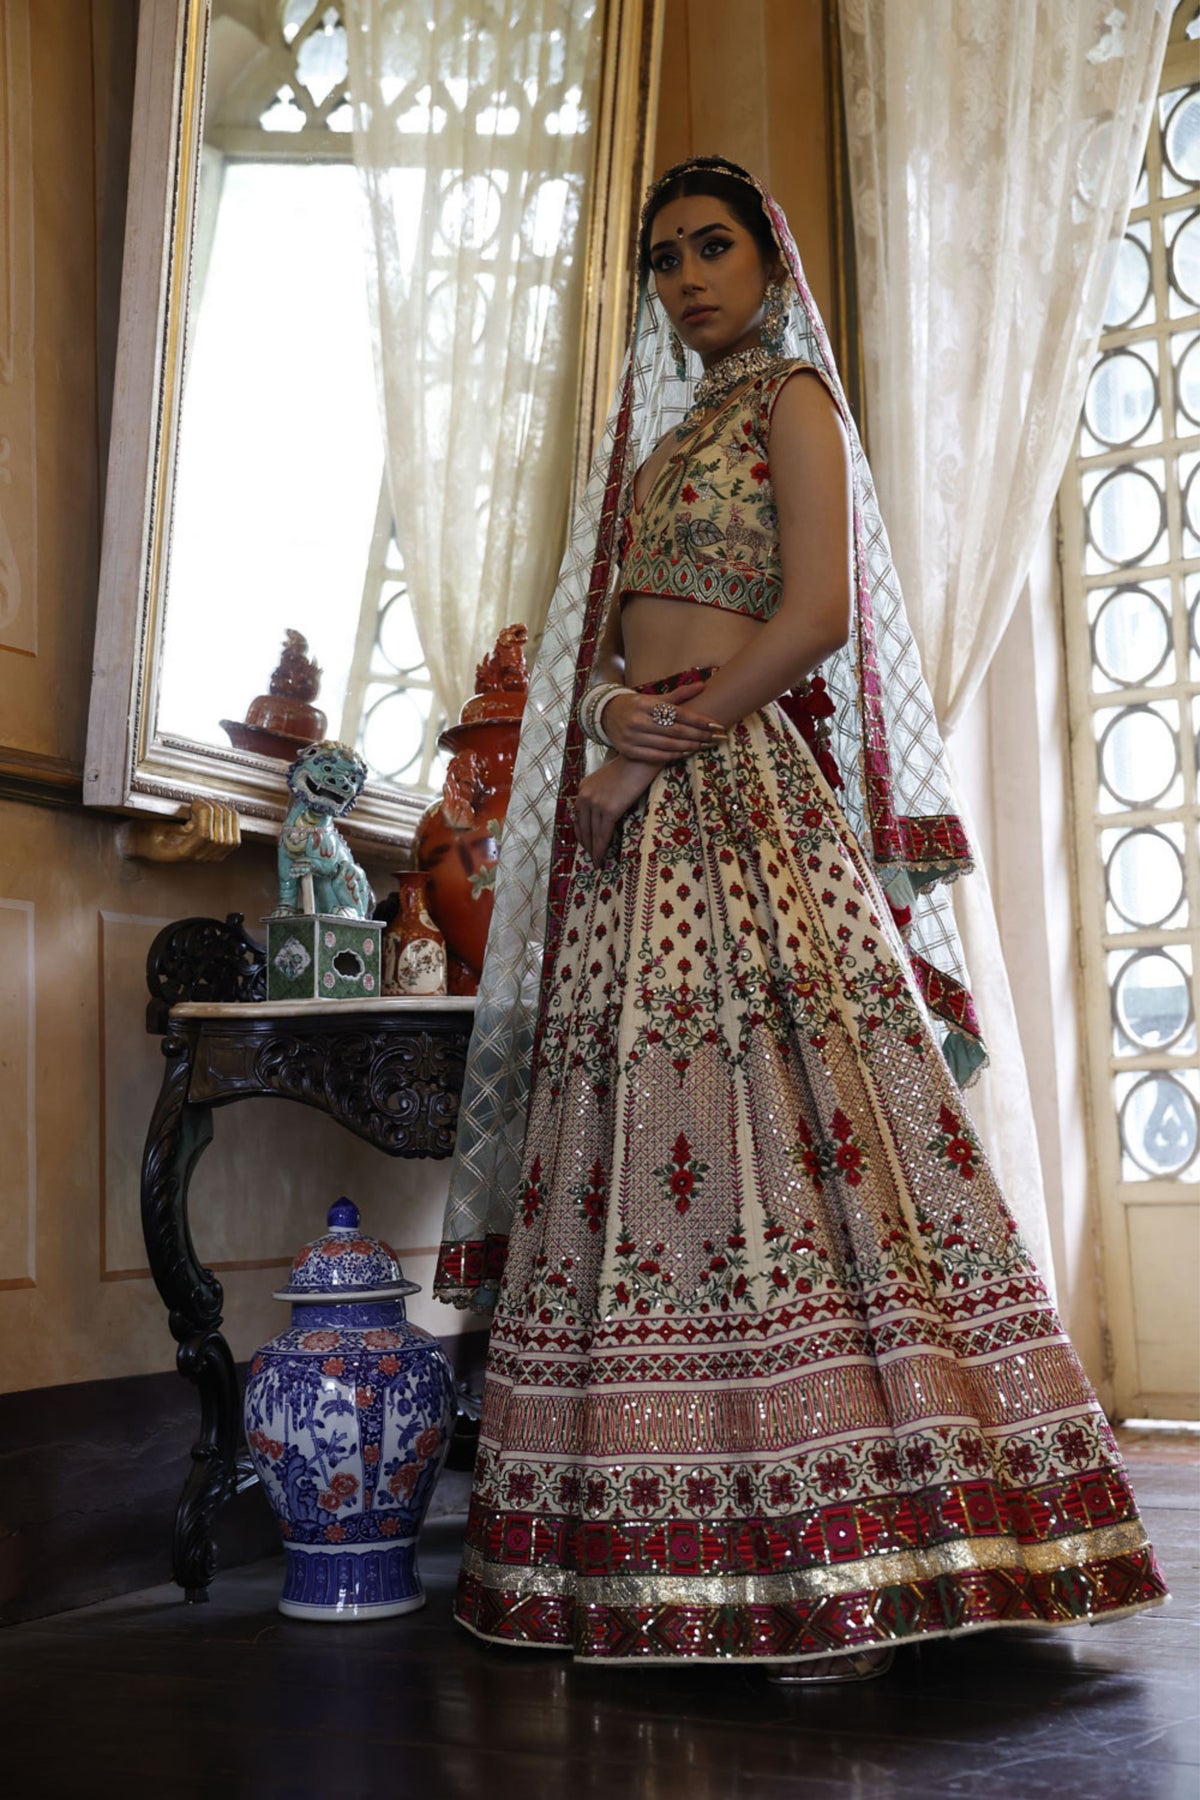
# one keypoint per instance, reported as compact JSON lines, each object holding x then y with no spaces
{"x":457,"y":843}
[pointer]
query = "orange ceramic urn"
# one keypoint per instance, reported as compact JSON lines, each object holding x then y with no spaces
{"x":458,"y":838}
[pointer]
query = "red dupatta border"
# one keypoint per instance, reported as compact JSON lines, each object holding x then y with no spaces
{"x":946,"y":998}
{"x":471,"y":1264}
{"x":575,"y":749}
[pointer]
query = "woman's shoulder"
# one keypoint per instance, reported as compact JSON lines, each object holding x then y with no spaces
{"x":818,"y":389}
{"x":776,"y":378}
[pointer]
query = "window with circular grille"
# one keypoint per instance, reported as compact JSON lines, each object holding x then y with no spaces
{"x":1130,"y":515}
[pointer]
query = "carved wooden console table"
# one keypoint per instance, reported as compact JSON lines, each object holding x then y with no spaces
{"x":388,"y":1070}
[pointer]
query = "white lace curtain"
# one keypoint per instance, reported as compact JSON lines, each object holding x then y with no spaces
{"x":472,"y":132}
{"x":994,"y":149}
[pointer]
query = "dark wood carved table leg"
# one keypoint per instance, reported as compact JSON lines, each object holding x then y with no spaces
{"x":179,"y":1132}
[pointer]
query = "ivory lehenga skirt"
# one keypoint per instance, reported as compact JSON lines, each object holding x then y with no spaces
{"x":771,"y":1374}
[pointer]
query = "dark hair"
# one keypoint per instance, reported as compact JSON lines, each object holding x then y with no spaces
{"x":721,"y":180}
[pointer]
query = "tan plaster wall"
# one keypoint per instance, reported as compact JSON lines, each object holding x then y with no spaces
{"x":78,"y":1073}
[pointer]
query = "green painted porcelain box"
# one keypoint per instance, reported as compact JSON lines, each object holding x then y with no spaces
{"x":317,"y":956}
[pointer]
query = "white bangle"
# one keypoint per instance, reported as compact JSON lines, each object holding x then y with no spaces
{"x":592,"y":705}
{"x":599,"y":710}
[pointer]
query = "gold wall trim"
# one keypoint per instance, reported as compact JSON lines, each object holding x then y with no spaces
{"x":846,"y":325}
{"x":627,"y":113}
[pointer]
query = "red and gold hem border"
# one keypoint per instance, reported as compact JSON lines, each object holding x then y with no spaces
{"x":466,"y":1267}
{"x":687,"y":1631}
{"x":939,"y":1530}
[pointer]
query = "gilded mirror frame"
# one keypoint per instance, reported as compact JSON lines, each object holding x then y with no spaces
{"x":131,"y":766}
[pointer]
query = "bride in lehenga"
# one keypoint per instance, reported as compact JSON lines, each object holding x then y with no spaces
{"x":771,"y":1374}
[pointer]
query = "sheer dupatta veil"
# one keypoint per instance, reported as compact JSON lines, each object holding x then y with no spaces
{"x":885,"y":740}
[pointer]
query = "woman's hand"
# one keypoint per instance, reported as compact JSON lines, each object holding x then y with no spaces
{"x":604,"y":799}
{"x":629,"y":724}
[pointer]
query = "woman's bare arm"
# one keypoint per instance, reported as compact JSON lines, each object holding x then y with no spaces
{"x":609,"y":662}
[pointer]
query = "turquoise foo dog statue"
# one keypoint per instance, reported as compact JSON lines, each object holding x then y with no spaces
{"x":317,"y":872}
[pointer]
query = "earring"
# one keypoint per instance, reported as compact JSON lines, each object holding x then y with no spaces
{"x":774,"y":323}
{"x":680,"y":355}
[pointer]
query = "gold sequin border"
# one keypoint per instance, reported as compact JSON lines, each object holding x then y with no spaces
{"x":890,"y":1569}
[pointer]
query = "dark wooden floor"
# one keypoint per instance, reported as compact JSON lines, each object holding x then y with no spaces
{"x":146,"y":1696}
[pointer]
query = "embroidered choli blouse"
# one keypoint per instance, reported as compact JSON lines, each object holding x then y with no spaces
{"x":708,"y":530}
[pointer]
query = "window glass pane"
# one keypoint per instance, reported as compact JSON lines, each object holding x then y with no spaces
{"x":285,"y":123}
{"x":1158,"y":1119}
{"x":1122,"y":404}
{"x":1144,"y":874}
{"x":1131,"y":293}
{"x":1125,"y":511}
{"x":1152,"y":999}
{"x":1138,"y":752}
{"x":1131,"y":635}
{"x":1179,"y":124}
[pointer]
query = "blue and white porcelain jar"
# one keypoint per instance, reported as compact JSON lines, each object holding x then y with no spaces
{"x":348,"y":1419}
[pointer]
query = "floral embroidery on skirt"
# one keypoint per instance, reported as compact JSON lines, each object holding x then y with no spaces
{"x":771,"y":1374}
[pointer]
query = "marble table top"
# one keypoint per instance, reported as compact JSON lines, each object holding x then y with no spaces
{"x":291,"y":1009}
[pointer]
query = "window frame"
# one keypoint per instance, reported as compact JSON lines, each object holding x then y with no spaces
{"x":1117,"y":1193}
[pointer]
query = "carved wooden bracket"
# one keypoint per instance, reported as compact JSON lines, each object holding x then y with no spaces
{"x":207,"y":832}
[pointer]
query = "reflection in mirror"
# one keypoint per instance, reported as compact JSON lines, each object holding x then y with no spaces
{"x":281,"y":517}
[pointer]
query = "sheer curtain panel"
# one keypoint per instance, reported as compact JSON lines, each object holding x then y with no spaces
{"x":994,"y":149}
{"x":473,"y":135}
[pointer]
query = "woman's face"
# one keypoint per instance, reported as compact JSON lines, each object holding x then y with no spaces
{"x":709,"y":275}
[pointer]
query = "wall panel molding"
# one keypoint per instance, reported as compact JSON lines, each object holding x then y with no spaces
{"x":18,"y":458}
{"x":18,"y":1096}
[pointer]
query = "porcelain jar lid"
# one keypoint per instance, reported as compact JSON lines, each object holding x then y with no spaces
{"x":345,"y":1264}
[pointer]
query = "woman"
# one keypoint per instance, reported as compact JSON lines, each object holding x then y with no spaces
{"x":771,"y":1375}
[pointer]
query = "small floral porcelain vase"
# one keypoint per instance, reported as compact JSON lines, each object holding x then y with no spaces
{"x":414,"y":950}
{"x":348,"y":1419}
